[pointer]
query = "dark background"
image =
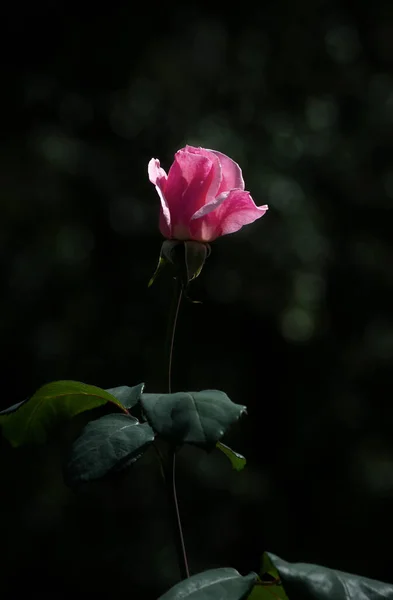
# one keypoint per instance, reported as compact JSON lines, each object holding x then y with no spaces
{"x":296,"y":320}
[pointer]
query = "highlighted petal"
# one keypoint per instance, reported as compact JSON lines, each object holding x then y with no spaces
{"x":238,"y":210}
{"x":235,"y":210}
{"x":165,"y":215}
{"x":157,"y":174}
{"x":208,"y":208}
{"x":232,"y":177}
{"x":158,"y":177}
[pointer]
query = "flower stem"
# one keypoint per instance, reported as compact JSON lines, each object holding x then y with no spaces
{"x":180,"y":545}
{"x":170,"y":470}
{"x":177,"y":302}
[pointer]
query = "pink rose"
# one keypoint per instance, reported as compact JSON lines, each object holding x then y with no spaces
{"x":203,"y":196}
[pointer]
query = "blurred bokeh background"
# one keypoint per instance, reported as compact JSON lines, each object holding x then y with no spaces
{"x":296,"y":320}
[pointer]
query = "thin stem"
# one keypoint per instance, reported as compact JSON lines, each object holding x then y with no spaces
{"x":171,"y":469}
{"x":179,"y":294}
{"x":181,"y":547}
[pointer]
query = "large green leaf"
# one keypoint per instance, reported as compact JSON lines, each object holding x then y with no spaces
{"x":50,"y":405}
{"x":269,"y":585}
{"x":199,"y":418}
{"x":312,"y":582}
{"x":237,"y":460}
{"x":107,"y":444}
{"x":127,"y":396}
{"x":215,"y":584}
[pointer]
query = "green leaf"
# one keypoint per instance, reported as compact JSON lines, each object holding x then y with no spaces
{"x":161,"y":264}
{"x":215,"y":584}
{"x":312,"y":582}
{"x":186,"y":259}
{"x":167,"y":257}
{"x":195,"y":257}
{"x":238,"y":461}
{"x":269,"y":585}
{"x":106,"y":444}
{"x":199,"y":418}
{"x":50,"y":405}
{"x":127,"y":396}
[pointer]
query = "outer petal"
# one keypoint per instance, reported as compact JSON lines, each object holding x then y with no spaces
{"x":232,"y":177}
{"x":157,"y":174}
{"x":158,"y":177}
{"x":193,"y":180}
{"x":237,"y":209}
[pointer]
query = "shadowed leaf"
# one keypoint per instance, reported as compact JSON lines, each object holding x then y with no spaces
{"x":214,"y":584}
{"x":110,"y":443}
{"x":199,"y":418}
{"x":312,"y":582}
{"x":127,"y":396}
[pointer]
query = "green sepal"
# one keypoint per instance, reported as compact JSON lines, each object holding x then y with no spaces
{"x":186,"y":258}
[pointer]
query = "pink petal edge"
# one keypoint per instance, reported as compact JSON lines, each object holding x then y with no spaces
{"x":239,"y":210}
{"x":158,"y":178}
{"x":156,"y":172}
{"x":236,"y":210}
{"x":208,"y":208}
{"x":232,"y":176}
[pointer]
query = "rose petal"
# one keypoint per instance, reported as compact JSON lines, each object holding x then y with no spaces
{"x":157,"y":174}
{"x":192,"y":180}
{"x":237,"y":209}
{"x":158,"y":177}
{"x":208,"y":208}
{"x":232,"y":177}
{"x":203,"y":196}
{"x":165,"y":216}
{"x":217,"y":172}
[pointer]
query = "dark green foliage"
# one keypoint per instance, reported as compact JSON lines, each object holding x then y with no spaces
{"x":110,"y":443}
{"x":312,"y":582}
{"x":128,"y":396}
{"x":214,"y":584}
{"x":199,"y":418}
